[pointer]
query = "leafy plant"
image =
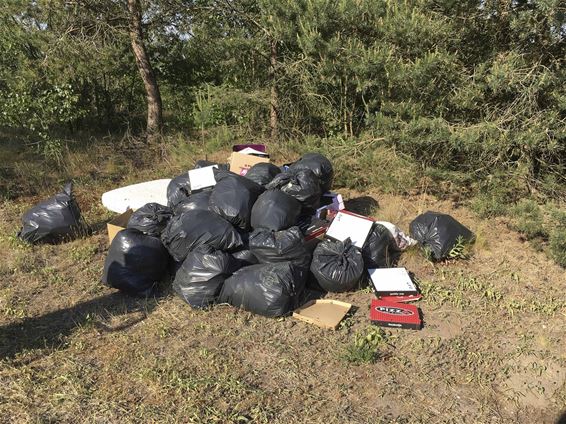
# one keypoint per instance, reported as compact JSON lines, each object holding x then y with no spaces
{"x":460,"y":250}
{"x":366,"y":345}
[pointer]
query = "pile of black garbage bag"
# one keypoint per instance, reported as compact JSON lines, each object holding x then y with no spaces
{"x":240,"y":242}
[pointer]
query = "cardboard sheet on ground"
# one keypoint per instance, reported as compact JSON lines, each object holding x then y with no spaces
{"x":136,"y":195}
{"x":348,"y":224}
{"x":325,"y":313}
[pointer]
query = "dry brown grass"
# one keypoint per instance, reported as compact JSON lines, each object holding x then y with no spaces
{"x":492,"y":350}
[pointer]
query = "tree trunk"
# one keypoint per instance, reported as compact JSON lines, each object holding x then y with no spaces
{"x":273,"y":101}
{"x":154,"y":106}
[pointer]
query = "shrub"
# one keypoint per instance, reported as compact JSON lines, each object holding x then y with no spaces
{"x":528,"y":219}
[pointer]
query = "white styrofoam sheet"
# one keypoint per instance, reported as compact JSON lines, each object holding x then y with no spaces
{"x":136,"y":195}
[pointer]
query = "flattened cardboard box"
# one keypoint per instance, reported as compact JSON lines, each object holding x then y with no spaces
{"x":240,"y":162}
{"x":118,"y":223}
{"x":325,"y":313}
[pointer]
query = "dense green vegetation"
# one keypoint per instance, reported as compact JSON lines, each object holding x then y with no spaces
{"x":467,"y":96}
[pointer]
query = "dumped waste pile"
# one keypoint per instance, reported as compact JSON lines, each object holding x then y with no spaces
{"x":262,"y":239}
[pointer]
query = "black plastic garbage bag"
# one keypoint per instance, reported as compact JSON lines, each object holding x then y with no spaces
{"x":150,"y":219}
{"x":135,"y":262}
{"x":439,"y":233}
{"x":178,"y":189}
{"x":280,"y":246}
{"x":302,"y":184}
{"x":191,"y":229}
{"x":243,"y":254}
{"x":380,"y":249}
{"x":52,"y":220}
{"x":245,"y":257}
{"x":262,"y":173}
{"x":195,"y":201}
{"x":267,"y":289}
{"x":233,"y":198}
{"x":199,"y":280}
{"x":337,"y":266}
{"x":174,"y":266}
{"x":320,"y":165}
{"x":275,"y":211}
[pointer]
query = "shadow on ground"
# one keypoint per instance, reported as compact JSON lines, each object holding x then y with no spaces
{"x":51,"y":329}
{"x":363,"y":205}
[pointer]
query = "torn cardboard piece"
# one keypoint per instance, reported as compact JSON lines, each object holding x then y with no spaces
{"x":118,"y":223}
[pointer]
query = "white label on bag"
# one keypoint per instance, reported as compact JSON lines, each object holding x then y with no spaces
{"x":202,"y":177}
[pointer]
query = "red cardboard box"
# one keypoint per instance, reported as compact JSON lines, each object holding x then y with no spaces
{"x":395,"y":315}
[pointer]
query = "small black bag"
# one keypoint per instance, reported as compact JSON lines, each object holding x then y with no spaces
{"x":150,"y":219}
{"x":337,"y":266}
{"x":302,"y":184}
{"x":195,"y":201}
{"x":275,"y":211}
{"x":233,"y":198}
{"x":380,"y":249}
{"x":135,"y":262}
{"x":199,"y":280}
{"x":267,"y":289}
{"x":318,"y":164}
{"x":262,"y":173}
{"x":53,"y":220}
{"x":191,"y":229}
{"x":439,"y":233}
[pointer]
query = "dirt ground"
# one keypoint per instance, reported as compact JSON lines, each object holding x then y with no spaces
{"x":492,"y":349}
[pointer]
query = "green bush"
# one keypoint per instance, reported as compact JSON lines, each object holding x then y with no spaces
{"x":527,"y":218}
